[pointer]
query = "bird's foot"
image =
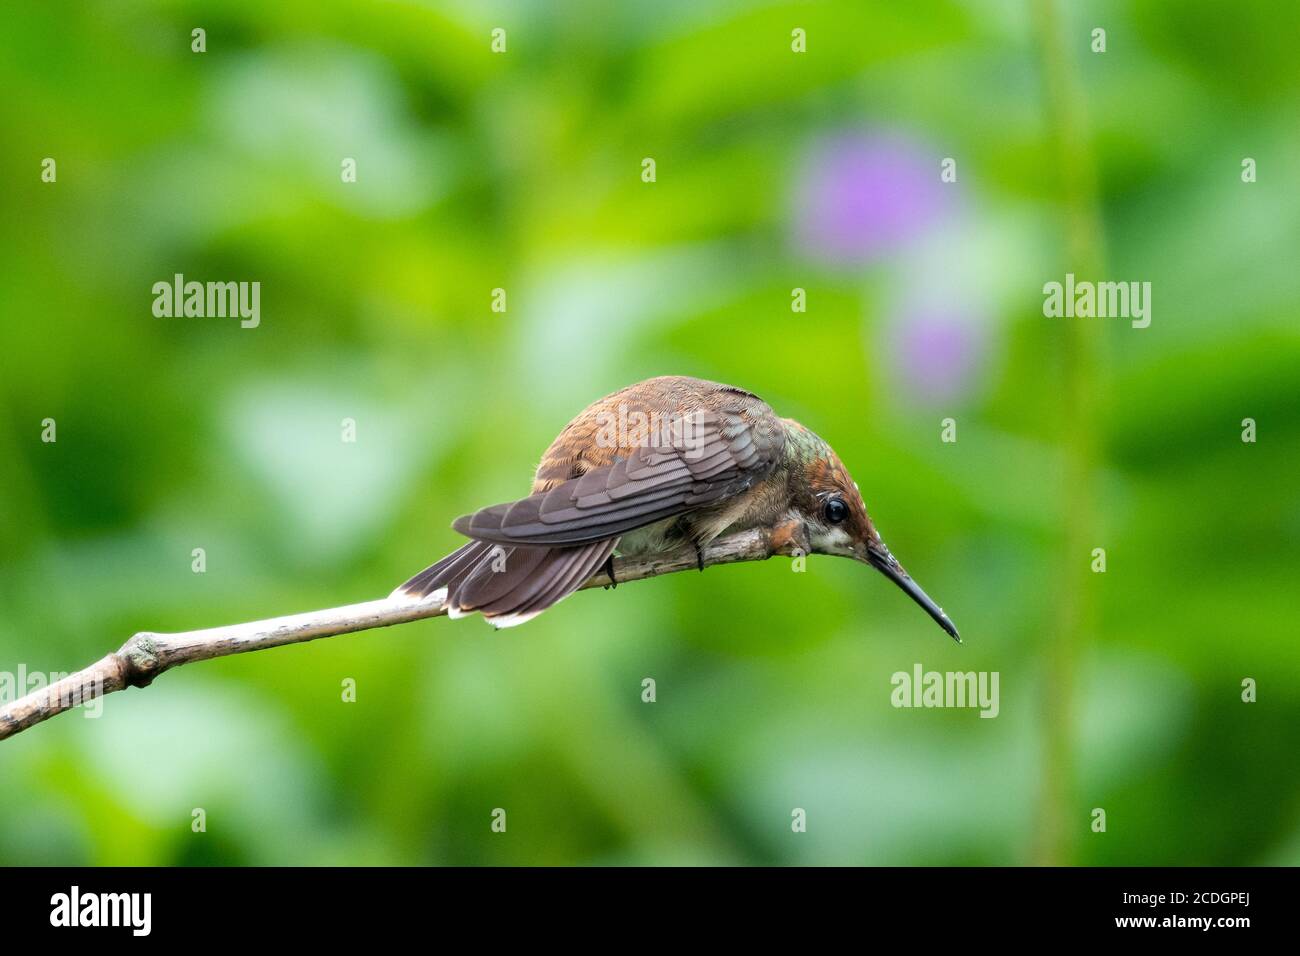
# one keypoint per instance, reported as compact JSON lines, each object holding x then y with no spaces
{"x":699,"y":555}
{"x":609,"y":569}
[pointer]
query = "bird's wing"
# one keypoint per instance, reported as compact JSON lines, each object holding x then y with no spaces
{"x":714,"y":456}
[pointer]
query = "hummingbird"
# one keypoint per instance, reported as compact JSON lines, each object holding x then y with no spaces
{"x":651,"y":468}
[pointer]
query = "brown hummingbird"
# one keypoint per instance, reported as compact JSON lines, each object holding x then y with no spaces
{"x":666,"y":462}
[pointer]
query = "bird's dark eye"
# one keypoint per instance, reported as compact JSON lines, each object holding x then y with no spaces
{"x":835,"y":510}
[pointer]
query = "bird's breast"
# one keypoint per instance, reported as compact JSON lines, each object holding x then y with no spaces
{"x":652,"y":539}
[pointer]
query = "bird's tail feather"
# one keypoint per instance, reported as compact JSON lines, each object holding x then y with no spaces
{"x":562,"y":572}
{"x":509,"y":584}
{"x":447,"y":572}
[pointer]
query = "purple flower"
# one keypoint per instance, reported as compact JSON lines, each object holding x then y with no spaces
{"x":860,"y":195}
{"x":938,"y":355}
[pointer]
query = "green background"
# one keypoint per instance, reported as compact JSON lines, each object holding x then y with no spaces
{"x":522,"y":171}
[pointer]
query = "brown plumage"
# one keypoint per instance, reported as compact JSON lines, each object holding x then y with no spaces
{"x":666,"y":461}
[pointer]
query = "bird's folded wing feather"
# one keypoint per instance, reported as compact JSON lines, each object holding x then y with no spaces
{"x":722,"y":455}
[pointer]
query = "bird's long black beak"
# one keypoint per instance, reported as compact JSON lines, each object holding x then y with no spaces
{"x":884,"y":562}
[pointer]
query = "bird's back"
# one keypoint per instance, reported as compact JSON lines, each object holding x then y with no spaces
{"x":609,"y":428}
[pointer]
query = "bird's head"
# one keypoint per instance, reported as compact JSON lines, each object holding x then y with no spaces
{"x":826,"y":498}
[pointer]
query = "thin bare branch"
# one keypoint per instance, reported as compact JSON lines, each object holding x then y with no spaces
{"x":146,"y":655}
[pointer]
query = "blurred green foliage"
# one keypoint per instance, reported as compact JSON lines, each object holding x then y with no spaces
{"x":522,"y":171}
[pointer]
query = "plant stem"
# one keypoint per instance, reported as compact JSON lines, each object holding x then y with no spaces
{"x":1059,"y":818}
